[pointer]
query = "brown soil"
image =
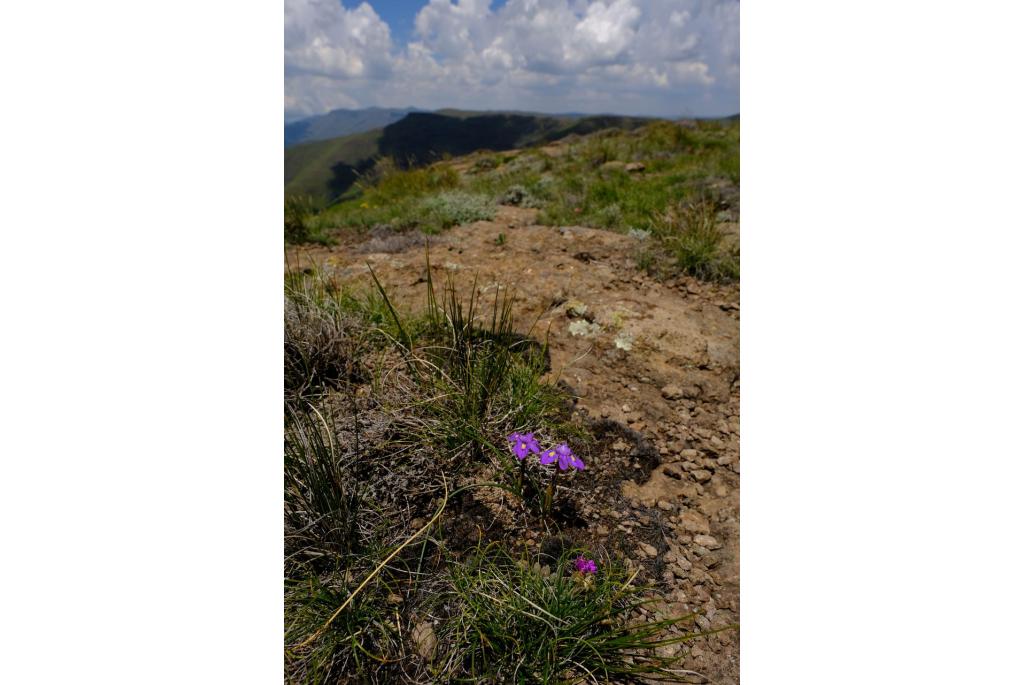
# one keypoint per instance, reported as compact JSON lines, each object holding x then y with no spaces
{"x":656,"y":373}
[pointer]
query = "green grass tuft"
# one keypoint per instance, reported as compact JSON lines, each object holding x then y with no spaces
{"x":511,"y":621}
{"x":692,"y":236}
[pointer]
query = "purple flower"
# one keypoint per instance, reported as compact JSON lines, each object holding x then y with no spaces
{"x":523,"y":444}
{"x":548,"y":456}
{"x":566,"y":458}
{"x":584,"y":565}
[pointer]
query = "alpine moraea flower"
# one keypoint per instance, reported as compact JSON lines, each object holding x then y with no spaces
{"x":566,"y":458}
{"x":523,"y":444}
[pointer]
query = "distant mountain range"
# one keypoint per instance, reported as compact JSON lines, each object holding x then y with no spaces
{"x":341,"y":122}
{"x":327,"y":168}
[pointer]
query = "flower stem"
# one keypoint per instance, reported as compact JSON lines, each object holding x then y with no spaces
{"x":549,"y":499}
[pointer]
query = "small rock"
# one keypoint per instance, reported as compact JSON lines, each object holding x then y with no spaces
{"x":692,"y":522}
{"x":681,"y":568}
{"x":635,"y":167}
{"x":665,"y":506}
{"x":649,"y":550}
{"x":702,"y":476}
{"x":704,"y":624}
{"x":672,"y":392}
{"x":425,"y":640}
{"x":707,"y":541}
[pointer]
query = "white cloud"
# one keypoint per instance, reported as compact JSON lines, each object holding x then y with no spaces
{"x":322,"y":37}
{"x":640,"y":56}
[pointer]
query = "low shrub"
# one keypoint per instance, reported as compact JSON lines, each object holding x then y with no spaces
{"x":452,"y":208}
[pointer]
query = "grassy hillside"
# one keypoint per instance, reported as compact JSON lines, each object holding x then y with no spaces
{"x":326,"y":169}
{"x":675,"y":183}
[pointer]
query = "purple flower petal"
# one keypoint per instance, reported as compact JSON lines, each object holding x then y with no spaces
{"x":547,"y":457}
{"x":531,"y":442}
{"x":577,"y":462}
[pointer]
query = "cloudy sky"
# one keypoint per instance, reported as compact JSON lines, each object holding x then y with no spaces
{"x":659,"y":57}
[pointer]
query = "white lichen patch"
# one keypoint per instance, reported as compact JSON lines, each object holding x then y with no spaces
{"x":624,"y":341}
{"x":584,"y":329}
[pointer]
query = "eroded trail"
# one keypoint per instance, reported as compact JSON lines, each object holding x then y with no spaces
{"x":659,"y":357}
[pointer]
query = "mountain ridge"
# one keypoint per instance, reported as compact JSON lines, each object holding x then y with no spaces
{"x":327,"y":168}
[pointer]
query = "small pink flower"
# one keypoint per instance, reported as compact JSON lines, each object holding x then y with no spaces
{"x":585,"y":566}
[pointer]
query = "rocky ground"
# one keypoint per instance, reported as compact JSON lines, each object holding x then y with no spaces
{"x":655,"y":368}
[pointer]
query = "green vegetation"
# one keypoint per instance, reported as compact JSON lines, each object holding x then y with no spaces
{"x":299,"y":220}
{"x":690,"y":234}
{"x":392,"y":422}
{"x":520,"y":622}
{"x":675,"y":183}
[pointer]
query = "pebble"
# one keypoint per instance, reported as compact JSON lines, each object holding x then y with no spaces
{"x":672,"y":392}
{"x":664,"y":505}
{"x":692,"y":522}
{"x":707,"y":541}
{"x":649,"y":550}
{"x":425,"y":640}
{"x":702,"y":476}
